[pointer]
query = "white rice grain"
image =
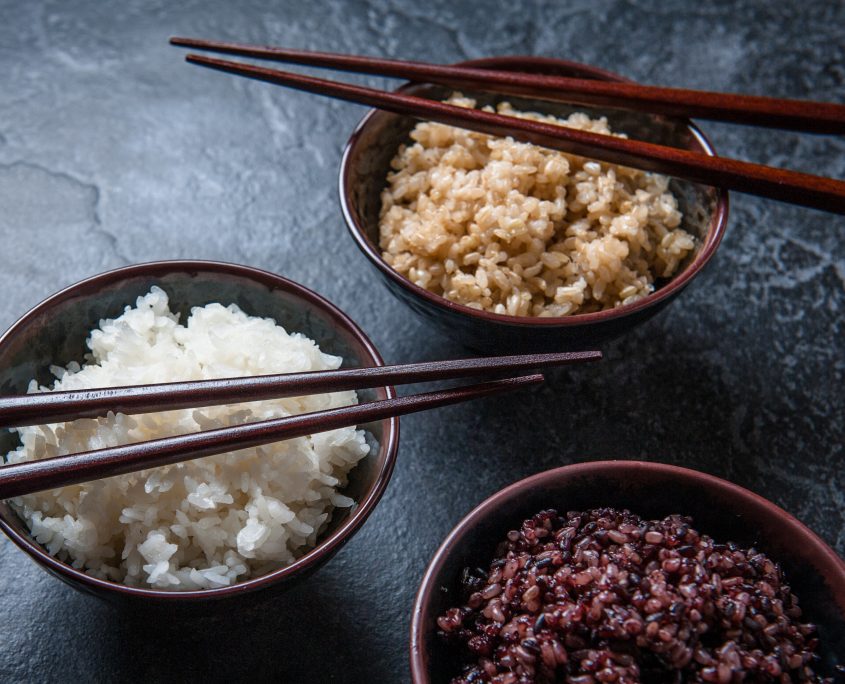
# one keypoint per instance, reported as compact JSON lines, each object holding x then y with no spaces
{"x":204,"y":523}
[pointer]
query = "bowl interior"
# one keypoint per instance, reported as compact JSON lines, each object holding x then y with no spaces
{"x":56,"y":333}
{"x":379,"y":136}
{"x":722,"y":510}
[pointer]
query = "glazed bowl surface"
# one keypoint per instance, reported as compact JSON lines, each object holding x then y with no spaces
{"x":376,"y":140}
{"x":54,"y":332}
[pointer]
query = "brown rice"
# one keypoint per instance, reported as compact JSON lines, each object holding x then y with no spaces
{"x":522,"y":230}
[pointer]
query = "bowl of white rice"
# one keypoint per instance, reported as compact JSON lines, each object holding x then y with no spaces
{"x":224,"y":526}
{"x":510,"y":246}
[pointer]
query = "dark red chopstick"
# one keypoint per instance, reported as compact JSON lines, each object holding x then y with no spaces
{"x":33,"y":476}
{"x":783,"y":185}
{"x":52,"y":407}
{"x":801,"y":115}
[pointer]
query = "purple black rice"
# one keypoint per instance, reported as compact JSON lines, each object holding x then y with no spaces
{"x":604,"y":596}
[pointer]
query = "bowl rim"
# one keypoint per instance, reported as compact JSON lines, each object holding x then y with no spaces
{"x":387,"y":449}
{"x":715,"y":232}
{"x":815,"y":547}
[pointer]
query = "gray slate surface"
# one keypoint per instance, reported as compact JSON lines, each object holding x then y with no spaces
{"x":113,"y":151}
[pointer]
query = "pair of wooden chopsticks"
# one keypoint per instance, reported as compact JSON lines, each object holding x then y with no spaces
{"x":780,"y":184}
{"x":32,"y":409}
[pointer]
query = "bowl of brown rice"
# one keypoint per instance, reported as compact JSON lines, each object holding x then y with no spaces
{"x":505,"y":245}
{"x":628,"y":571}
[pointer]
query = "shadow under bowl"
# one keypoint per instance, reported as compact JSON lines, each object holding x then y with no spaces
{"x":54,"y":332}
{"x":720,"y":509}
{"x":363,"y":176}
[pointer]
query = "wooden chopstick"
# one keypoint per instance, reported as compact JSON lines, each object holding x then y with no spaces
{"x":800,"y":115}
{"x":52,"y":407}
{"x":779,"y":184}
{"x":33,"y":476}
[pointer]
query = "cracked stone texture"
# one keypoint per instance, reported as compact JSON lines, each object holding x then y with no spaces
{"x":113,"y":151}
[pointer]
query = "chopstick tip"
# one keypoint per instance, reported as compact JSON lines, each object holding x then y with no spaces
{"x":201,"y":60}
{"x":182,"y":41}
{"x":569,"y":357}
{"x":211,"y":62}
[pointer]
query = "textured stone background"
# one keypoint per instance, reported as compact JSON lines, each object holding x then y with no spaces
{"x":113,"y":151}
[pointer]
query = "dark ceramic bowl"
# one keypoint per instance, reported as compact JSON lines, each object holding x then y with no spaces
{"x":652,"y":490}
{"x":54,"y":332}
{"x":363,"y":173}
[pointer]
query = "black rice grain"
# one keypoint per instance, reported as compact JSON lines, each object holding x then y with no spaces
{"x":604,"y":596}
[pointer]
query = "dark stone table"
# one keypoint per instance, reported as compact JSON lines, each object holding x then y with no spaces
{"x":113,"y":151}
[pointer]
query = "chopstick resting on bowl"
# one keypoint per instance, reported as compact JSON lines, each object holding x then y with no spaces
{"x":32,"y":476}
{"x":783,"y":185}
{"x":799,"y":115}
{"x":52,"y":407}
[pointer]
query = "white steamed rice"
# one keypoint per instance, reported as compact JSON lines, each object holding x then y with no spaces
{"x":204,"y":523}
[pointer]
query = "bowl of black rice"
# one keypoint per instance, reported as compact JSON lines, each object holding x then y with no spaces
{"x":628,"y":571}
